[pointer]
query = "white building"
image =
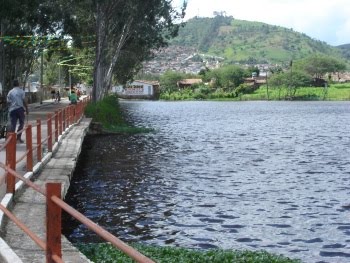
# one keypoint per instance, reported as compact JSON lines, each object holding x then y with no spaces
{"x":138,"y":89}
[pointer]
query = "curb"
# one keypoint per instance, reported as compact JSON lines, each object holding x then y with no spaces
{"x":7,"y":255}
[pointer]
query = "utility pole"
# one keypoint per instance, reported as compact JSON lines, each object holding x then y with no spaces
{"x":59,"y":78}
{"x":70,"y":80}
{"x":291,"y":79}
{"x":267,"y":88}
{"x":41,"y":75}
{"x":2,"y":58}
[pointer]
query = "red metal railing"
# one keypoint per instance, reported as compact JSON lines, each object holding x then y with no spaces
{"x":56,"y":124}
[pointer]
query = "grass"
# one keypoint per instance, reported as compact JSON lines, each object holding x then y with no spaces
{"x":339,"y":92}
{"x":335,"y":92}
{"x":108,"y":113}
{"x":106,"y":253}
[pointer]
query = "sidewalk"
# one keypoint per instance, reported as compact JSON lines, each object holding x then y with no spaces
{"x":36,"y":111}
{"x":29,"y":206}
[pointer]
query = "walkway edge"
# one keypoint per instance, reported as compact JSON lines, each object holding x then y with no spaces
{"x":7,"y":255}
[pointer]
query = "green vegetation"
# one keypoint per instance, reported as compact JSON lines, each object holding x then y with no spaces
{"x":345,"y":50}
{"x":69,"y":30}
{"x":318,"y":66}
{"x":334,"y":92}
{"x":295,"y":82}
{"x":108,"y":113}
{"x":337,"y":92}
{"x":252,"y":42}
{"x":108,"y":254}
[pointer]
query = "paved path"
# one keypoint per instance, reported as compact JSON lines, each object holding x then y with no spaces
{"x":36,"y":111}
{"x":29,"y":206}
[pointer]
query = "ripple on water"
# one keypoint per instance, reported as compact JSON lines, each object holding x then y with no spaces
{"x":212,"y":220}
{"x":279,"y":225}
{"x":334,"y":254}
{"x":336,"y":245}
{"x":238,"y":172}
{"x":314,"y":240}
{"x":247,"y":239}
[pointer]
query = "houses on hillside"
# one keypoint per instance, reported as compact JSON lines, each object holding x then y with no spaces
{"x":340,"y":77}
{"x":180,"y":59}
{"x":187,"y":83}
{"x":255,"y":81}
{"x":142,"y":89}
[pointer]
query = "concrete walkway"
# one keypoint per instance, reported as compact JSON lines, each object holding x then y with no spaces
{"x":29,"y":206}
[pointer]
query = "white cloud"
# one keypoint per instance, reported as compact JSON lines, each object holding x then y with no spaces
{"x":325,"y":20}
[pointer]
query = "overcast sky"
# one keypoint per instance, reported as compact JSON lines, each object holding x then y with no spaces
{"x":325,"y":20}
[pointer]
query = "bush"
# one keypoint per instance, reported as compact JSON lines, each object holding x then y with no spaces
{"x":108,"y":113}
{"x":245,"y":89}
{"x":199,"y":96}
{"x":108,"y":254}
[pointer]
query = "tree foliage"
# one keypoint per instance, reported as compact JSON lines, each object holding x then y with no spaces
{"x":168,"y":81}
{"x":124,"y":32}
{"x":291,"y":81}
{"x":318,"y":66}
{"x":227,"y":77}
{"x":25,"y":30}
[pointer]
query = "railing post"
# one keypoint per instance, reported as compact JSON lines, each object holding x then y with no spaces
{"x":49,"y":132}
{"x":79,"y":110}
{"x":64,"y":119}
{"x":74,"y":113}
{"x":70,"y":114}
{"x":11,"y":162}
{"x":56,"y":126}
{"x":53,"y":222}
{"x":38,"y":140}
{"x":60,"y":122}
{"x":29,"y":143}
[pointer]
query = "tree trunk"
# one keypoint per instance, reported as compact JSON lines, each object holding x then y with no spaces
{"x":2,"y":57}
{"x":97,"y":65}
{"x":106,"y":54}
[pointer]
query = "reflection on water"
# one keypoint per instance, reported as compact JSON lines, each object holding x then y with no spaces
{"x":240,"y":175}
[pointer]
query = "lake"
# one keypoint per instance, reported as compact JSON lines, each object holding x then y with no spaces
{"x":232,"y":175}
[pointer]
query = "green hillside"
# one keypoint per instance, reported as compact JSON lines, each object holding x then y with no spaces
{"x":251,"y":42}
{"x":345,"y":50}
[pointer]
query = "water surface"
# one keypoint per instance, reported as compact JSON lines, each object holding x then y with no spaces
{"x":232,"y":175}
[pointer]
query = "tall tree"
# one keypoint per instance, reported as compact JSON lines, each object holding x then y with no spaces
{"x":291,"y":81}
{"x":168,"y":80}
{"x":318,"y":66}
{"x":25,"y":27}
{"x":123,"y":25}
{"x":227,"y":77}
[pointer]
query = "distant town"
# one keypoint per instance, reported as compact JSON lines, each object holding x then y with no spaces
{"x":189,"y":60}
{"x":180,"y":59}
{"x":186,"y":60}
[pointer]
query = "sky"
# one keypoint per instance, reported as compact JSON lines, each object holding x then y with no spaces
{"x":324,"y":20}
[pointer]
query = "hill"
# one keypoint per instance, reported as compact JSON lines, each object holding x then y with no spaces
{"x":345,"y":50}
{"x":240,"y":41}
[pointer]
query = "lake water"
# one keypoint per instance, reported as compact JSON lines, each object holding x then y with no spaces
{"x":232,"y":175}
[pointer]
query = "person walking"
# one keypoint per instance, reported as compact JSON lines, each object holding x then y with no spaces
{"x":17,"y":107}
{"x":58,"y":96}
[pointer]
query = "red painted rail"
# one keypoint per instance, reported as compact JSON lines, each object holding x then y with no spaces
{"x":56,"y":124}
